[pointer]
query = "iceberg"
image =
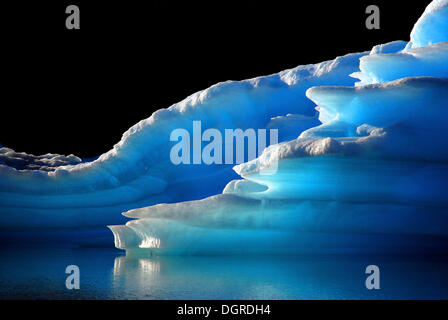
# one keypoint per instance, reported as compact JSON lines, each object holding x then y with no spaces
{"x":361,"y":165}
{"x":371,"y":178}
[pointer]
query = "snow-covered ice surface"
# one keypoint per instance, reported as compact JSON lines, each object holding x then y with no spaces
{"x":424,"y":61}
{"x":366,"y":172}
{"x":432,"y":26}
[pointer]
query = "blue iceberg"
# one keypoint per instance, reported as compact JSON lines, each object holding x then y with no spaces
{"x":361,"y":165}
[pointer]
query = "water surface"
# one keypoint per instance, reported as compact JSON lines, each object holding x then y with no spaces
{"x":106,"y":273}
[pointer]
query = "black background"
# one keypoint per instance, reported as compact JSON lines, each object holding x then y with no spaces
{"x":77,"y":91}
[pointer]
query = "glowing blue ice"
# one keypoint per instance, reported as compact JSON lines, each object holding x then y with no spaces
{"x":366,"y":172}
{"x":432,"y":27}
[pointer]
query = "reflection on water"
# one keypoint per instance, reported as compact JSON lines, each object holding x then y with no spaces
{"x":108,"y":274}
{"x":142,"y":266}
{"x":134,"y":277}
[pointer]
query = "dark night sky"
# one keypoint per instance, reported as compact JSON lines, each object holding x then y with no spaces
{"x":78,"y":91}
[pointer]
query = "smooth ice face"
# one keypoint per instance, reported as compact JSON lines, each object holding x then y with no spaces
{"x":432,"y":27}
{"x":402,"y":103}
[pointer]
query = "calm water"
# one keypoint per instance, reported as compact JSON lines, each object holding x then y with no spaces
{"x":109,"y":274}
